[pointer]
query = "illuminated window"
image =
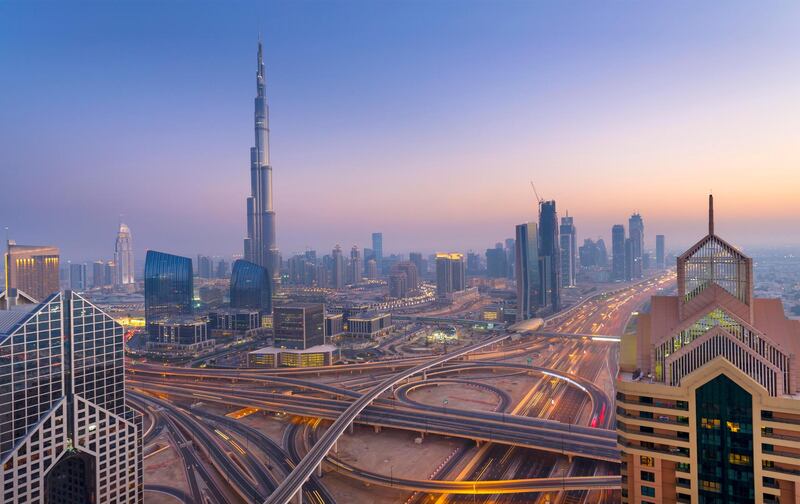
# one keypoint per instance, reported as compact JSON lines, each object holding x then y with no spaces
{"x":735,"y":458}
{"x":647,"y":461}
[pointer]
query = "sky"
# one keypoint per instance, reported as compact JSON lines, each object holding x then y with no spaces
{"x":423,"y":120}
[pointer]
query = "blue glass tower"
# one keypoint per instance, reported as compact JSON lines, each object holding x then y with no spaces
{"x":251,"y":287}
{"x":168,"y":286}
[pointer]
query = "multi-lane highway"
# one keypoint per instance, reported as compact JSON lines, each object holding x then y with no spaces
{"x":564,"y":416}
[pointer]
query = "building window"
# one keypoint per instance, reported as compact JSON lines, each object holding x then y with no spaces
{"x":648,"y":476}
{"x":647,"y":461}
{"x":648,"y":491}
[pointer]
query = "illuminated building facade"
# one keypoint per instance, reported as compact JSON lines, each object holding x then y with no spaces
{"x":707,"y":407}
{"x":260,"y":245}
{"x":299,"y":326}
{"x":168,"y":286}
{"x":123,"y":257}
{"x":272,"y":357}
{"x":251,"y":287}
{"x":526,"y":269}
{"x":451,"y":273}
{"x":66,"y":432}
{"x":32,"y":269}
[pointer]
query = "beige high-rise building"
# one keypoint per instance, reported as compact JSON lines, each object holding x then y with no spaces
{"x":32,"y":269}
{"x":708,"y":397}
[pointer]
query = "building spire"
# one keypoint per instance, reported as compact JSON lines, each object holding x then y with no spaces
{"x":711,"y":214}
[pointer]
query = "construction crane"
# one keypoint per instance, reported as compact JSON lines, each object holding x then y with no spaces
{"x":538,"y":199}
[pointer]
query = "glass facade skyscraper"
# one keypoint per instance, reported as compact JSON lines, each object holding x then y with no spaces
{"x":526,"y":268}
{"x":377,"y":249}
{"x":168,"y":286}
{"x":549,"y":257}
{"x":618,"y":252}
{"x":251,"y":287}
{"x":66,"y":432}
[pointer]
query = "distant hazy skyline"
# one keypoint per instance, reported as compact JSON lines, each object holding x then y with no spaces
{"x":422,"y":120}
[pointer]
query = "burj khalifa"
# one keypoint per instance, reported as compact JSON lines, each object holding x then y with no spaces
{"x":259,"y":246}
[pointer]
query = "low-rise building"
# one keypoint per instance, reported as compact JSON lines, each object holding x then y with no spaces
{"x":271,"y":357}
{"x":236,"y":323}
{"x":177,"y":334}
{"x":334,"y":325}
{"x":369,"y":324}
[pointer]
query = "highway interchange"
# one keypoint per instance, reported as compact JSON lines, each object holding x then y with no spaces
{"x":552,"y":444}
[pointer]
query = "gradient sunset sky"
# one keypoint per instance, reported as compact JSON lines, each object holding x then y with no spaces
{"x":423,"y":120}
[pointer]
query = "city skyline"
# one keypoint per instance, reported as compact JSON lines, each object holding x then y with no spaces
{"x":344,"y":114}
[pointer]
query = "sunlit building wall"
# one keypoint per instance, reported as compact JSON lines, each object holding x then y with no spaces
{"x":33,"y":269}
{"x":707,"y":407}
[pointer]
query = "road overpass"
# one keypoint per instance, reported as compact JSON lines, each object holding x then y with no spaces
{"x":292,"y":485}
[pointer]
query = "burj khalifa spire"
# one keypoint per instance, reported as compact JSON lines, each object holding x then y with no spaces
{"x":259,"y":246}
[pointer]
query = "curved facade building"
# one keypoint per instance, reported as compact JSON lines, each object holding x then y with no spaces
{"x":168,"y":286}
{"x":251,"y":286}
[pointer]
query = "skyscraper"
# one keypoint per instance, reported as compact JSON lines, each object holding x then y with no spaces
{"x":377,"y":249}
{"x":451,"y":272}
{"x":496,"y":264}
{"x":618,"y":252}
{"x":68,"y":435}
{"x":77,"y":277}
{"x":410,"y":270}
{"x":602,"y":253}
{"x":549,"y":257}
{"x":660,"y":259}
{"x":251,"y":287}
{"x":707,"y":404}
{"x":33,"y":269}
{"x":123,"y":256}
{"x":260,"y":246}
{"x":371,"y":269}
{"x":99,"y":277}
{"x":629,"y":260}
{"x":337,"y":268}
{"x":420,"y":262}
{"x":526,"y":269}
{"x":204,"y":266}
{"x":636,"y":233}
{"x":356,"y":265}
{"x":168,"y":286}
{"x":569,"y":251}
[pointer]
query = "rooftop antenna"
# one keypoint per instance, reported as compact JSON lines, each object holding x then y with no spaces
{"x":711,"y":214}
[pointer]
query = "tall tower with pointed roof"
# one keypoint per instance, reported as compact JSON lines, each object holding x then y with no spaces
{"x":708,"y":410}
{"x":260,"y":245}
